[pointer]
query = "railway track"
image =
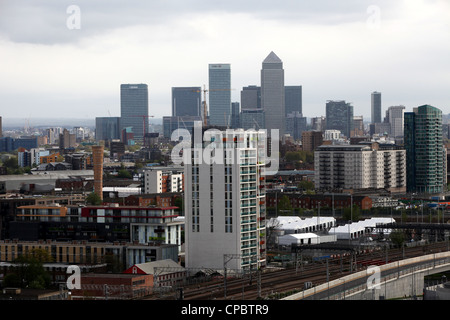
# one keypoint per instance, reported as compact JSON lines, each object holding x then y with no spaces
{"x":274,"y":284}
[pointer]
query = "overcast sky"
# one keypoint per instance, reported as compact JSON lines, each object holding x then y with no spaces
{"x":68,"y":58}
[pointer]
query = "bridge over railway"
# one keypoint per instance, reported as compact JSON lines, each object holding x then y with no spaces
{"x":403,"y":278}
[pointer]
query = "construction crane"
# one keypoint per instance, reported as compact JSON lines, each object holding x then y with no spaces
{"x":205,"y":110}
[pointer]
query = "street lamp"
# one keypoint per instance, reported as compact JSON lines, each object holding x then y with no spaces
{"x":318,"y":217}
{"x":351,"y":207}
{"x":332,"y":202}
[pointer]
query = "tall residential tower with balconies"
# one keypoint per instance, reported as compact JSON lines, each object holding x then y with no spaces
{"x":225,"y":200}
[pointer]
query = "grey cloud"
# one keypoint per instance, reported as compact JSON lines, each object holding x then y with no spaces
{"x":44,"y":21}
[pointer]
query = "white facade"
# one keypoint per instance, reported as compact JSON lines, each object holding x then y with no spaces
{"x":225,"y":201}
{"x":163,"y":180}
{"x":295,"y":225}
{"x":33,"y":156}
{"x":361,"y":228}
{"x":153,"y":181}
{"x":360,"y":167}
{"x":332,"y":135}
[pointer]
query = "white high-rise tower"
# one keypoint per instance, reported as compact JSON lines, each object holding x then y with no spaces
{"x":225,"y":200}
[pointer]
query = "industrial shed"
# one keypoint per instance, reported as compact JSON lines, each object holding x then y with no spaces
{"x":292,"y":224}
{"x":298,"y":239}
{"x":361,"y":228}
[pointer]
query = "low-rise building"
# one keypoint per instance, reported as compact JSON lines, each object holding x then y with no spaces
{"x":98,"y":223}
{"x":314,"y":201}
{"x":106,"y":286}
{"x":120,"y":254}
{"x":163,"y":179}
{"x":164,"y":273}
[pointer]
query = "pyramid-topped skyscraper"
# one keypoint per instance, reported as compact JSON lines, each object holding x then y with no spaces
{"x":272,"y":93}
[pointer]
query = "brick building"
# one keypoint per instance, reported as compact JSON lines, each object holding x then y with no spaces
{"x":311,"y":201}
{"x":113,"y":286}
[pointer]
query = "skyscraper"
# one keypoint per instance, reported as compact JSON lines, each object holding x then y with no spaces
{"x":376,"y":107}
{"x":134,"y":109}
{"x":251,"y":97}
{"x":273,"y":93}
{"x":293,"y":99}
{"x":186,"y":101}
{"x":339,"y":116}
{"x":107,"y":128}
{"x":252,"y":119}
{"x":295,"y":125}
{"x":225,"y":200}
{"x":235,"y":122}
{"x":219,"y":94}
{"x":424,"y":150}
{"x":395,"y":115}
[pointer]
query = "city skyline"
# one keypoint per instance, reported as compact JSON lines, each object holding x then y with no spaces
{"x":334,"y":51}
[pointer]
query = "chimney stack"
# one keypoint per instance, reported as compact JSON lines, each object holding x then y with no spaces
{"x":97,"y":153}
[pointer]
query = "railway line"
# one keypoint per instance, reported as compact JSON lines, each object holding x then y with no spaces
{"x":274,"y":284}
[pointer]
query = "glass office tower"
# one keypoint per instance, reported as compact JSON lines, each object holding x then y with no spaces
{"x":424,"y":150}
{"x":134,"y":109}
{"x":186,"y":101}
{"x":376,"y":107}
{"x":272,"y":93}
{"x":107,"y":128}
{"x":293,"y":99}
{"x":219,"y":94}
{"x":339,"y":116}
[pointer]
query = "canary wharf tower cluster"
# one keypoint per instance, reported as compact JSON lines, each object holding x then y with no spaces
{"x":225,"y":191}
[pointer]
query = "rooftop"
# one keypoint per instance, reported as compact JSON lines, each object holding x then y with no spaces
{"x":272,"y":58}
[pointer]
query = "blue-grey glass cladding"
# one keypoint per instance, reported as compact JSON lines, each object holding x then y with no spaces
{"x":219,"y":94}
{"x":186,"y":101}
{"x":134,"y":108}
{"x":107,"y":128}
{"x":339,"y":116}
{"x":293,"y":99}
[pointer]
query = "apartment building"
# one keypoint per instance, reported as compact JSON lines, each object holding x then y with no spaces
{"x":363,"y":166}
{"x":142,"y":225}
{"x":163,"y":179}
{"x":225,"y":201}
{"x":86,"y":253}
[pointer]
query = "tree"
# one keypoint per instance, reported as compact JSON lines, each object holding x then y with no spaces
{"x":29,"y":271}
{"x":306,"y":185}
{"x":354,"y":215}
{"x":124,"y":174}
{"x":284,"y":206}
{"x":93,"y":199}
{"x":397,"y":238}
